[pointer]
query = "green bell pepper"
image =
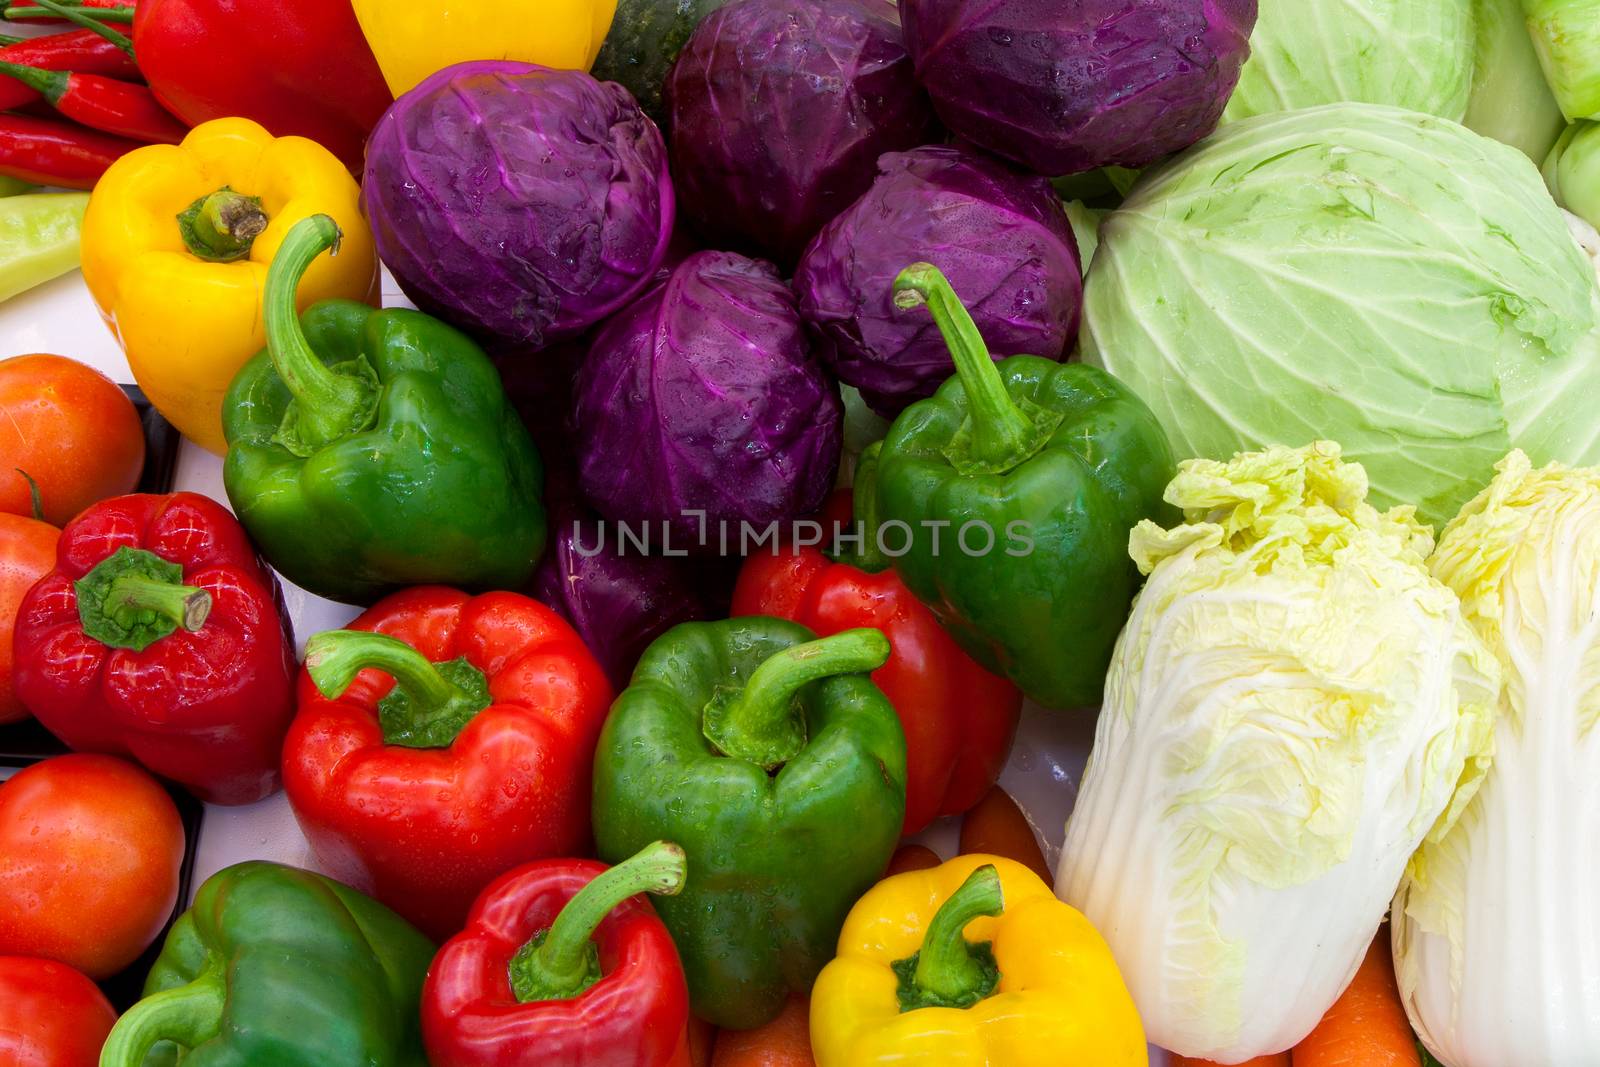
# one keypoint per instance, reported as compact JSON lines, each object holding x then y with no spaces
{"x":1017,"y":483}
{"x":780,"y":768}
{"x":279,"y":967}
{"x":369,"y":450}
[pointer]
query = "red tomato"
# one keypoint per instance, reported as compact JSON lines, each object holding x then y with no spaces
{"x":71,"y":429}
{"x":89,"y":853}
{"x":50,"y":1015}
{"x":27,"y":553}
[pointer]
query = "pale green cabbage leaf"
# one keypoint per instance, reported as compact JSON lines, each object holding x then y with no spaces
{"x":1572,"y":171}
{"x":1290,"y":710}
{"x":1497,"y":947}
{"x":1510,"y":100}
{"x":1387,"y":279}
{"x":1414,"y":54}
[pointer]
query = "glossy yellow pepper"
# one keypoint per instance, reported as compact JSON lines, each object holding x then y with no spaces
{"x":974,"y":963}
{"x":176,"y":244}
{"x":414,"y":38}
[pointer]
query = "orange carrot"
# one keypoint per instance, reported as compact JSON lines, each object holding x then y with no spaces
{"x":998,"y":827}
{"x":784,"y":1042}
{"x":1366,"y":1027}
{"x":1280,"y":1060}
{"x":912,"y":858}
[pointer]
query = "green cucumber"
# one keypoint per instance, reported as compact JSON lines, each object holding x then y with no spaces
{"x":644,"y":42}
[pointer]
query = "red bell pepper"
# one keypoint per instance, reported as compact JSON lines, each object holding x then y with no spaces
{"x":563,"y":965}
{"x":50,"y":1015}
{"x":465,"y":750}
{"x":959,"y":719}
{"x":161,"y":636}
{"x":296,"y":66}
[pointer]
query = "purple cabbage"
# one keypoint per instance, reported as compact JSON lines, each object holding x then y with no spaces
{"x":522,"y":204}
{"x":1000,"y":236}
{"x":704,"y":396}
{"x":619,"y":600}
{"x":1063,"y":87}
{"x":779,"y":110}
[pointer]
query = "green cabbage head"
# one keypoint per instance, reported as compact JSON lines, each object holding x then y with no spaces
{"x":1383,"y":278}
{"x":1415,"y":54}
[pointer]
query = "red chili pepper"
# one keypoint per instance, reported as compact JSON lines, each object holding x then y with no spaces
{"x":959,"y":719}
{"x":563,"y":964}
{"x":101,"y":103}
{"x":84,"y":51}
{"x":47,"y":152}
{"x":162,"y":637}
{"x":419,"y":783}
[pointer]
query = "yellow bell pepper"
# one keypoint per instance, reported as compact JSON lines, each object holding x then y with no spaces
{"x":415,"y":38}
{"x":974,"y":963}
{"x":176,"y":244}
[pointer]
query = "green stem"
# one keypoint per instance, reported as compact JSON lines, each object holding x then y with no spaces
{"x":869,"y":555}
{"x":134,"y":598}
{"x":34,"y":9}
{"x":431,"y":703}
{"x":563,"y":961}
{"x":328,"y":405}
{"x":1002,"y":434}
{"x":223,"y":226}
{"x":34,"y":495}
{"x":45,"y":9}
{"x":949,"y":971}
{"x":188,"y":1016}
{"x":7,"y":40}
{"x":759,"y":723}
{"x":50,"y":84}
{"x":185,"y":606}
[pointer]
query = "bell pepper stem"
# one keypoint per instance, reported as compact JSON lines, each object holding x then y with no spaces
{"x":328,"y":405}
{"x":1002,"y":434}
{"x":563,"y":962}
{"x":759,"y":723}
{"x":222,"y":227}
{"x":187,"y":1016}
{"x":185,"y":606}
{"x":431,"y":702}
{"x":74,"y":13}
{"x":949,"y":971}
{"x":333,"y":660}
{"x":134,"y":598}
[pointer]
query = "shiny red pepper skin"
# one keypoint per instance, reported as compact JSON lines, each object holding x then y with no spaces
{"x":425,"y":829}
{"x":83,"y":51}
{"x":208,"y":709}
{"x":52,"y":152}
{"x":101,"y":103}
{"x":959,"y":719}
{"x":635,"y":1016}
{"x":297,"y":67}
